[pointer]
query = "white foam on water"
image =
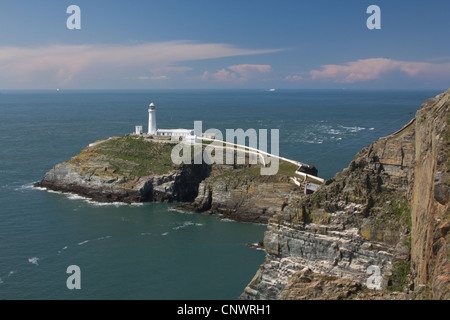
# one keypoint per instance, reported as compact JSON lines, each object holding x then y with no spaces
{"x":73,"y":196}
{"x":106,"y":204}
{"x":187,"y":224}
{"x":164,"y":234}
{"x":335,"y":132}
{"x":64,"y":248}
{"x":184,"y":225}
{"x":354,"y":129}
{"x":315,"y":141}
{"x":83,"y":242}
{"x":178,"y":210}
{"x":112,"y":204}
{"x":53,"y":191}
{"x":11,"y":273}
{"x":137,"y":204}
{"x":33,"y":260}
{"x":103,"y":238}
{"x":40,"y":188}
{"x":27,"y":186}
{"x":145,"y":233}
{"x":256,"y":246}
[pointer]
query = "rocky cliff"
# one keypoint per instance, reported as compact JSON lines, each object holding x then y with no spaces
{"x":430,"y":245}
{"x":126,"y":169}
{"x":381,"y":223}
{"x":242,"y":194}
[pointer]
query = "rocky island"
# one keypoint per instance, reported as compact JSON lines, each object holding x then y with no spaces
{"x":381,"y":223}
{"x":134,"y":168}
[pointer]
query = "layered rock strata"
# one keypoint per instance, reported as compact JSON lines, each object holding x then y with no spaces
{"x":242,"y":194}
{"x":381,"y":223}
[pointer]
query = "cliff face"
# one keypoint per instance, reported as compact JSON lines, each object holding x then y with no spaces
{"x":429,"y":210}
{"x":242,"y":194}
{"x":381,"y":222}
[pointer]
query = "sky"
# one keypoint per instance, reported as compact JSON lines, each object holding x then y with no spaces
{"x":223,"y":44}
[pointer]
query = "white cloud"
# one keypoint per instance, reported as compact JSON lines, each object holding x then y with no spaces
{"x":371,"y":69}
{"x":237,"y":73}
{"x":59,"y":65}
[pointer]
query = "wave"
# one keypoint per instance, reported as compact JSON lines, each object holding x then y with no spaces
{"x":33,"y":260}
{"x":62,"y":249}
{"x":40,"y":188}
{"x":83,"y":242}
{"x":105,"y":204}
{"x":73,"y":196}
{"x":76,"y":197}
{"x":179,"y":211}
{"x":354,"y":129}
{"x":335,"y":132}
{"x":27,"y":186}
{"x":103,"y":238}
{"x":315,"y":141}
{"x":256,"y":246}
{"x":187,"y":224}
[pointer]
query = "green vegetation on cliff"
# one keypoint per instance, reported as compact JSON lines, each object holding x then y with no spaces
{"x":136,"y":156}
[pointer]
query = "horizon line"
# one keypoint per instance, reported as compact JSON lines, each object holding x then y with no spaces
{"x":228,"y":89}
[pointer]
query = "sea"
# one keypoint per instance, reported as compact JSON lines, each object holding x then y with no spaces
{"x":150,"y":251}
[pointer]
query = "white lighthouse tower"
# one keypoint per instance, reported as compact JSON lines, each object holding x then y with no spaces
{"x":151,"y":119}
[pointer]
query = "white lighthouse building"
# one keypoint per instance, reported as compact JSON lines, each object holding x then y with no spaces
{"x":151,"y":119}
{"x":184,"y":134}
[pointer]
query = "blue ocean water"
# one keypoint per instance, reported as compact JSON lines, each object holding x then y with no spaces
{"x":148,"y":251}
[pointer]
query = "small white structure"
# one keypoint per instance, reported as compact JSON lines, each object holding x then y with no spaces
{"x":138,"y":130}
{"x":175,"y":132}
{"x":152,"y":119}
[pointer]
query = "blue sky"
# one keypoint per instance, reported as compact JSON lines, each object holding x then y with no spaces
{"x":174,"y":44}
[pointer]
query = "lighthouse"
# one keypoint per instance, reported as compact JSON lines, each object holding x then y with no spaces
{"x":151,"y":119}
